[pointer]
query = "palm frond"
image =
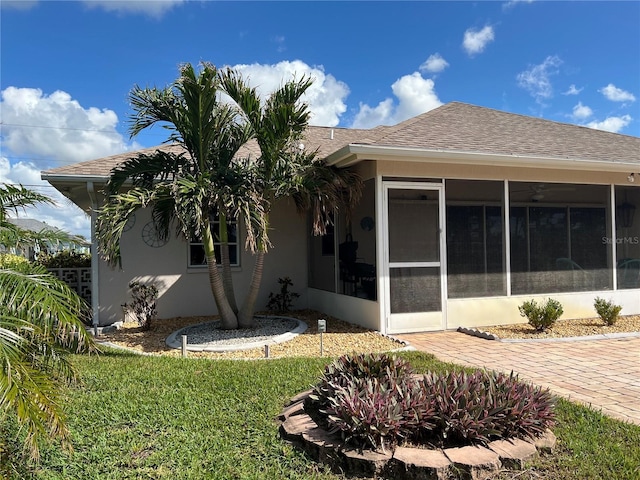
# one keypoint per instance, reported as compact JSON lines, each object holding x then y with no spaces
{"x":35,"y":398}
{"x":244,"y":96}
{"x":49,"y":304}
{"x":152,"y":106}
{"x":39,"y":321}
{"x":145,"y":169}
{"x":113,"y":217}
{"x":14,"y":198}
{"x":321,"y":189}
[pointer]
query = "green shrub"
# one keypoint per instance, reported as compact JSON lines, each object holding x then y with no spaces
{"x":376,"y":401}
{"x":143,"y":304}
{"x":607,"y":310}
{"x":8,"y":261}
{"x":283,"y":301}
{"x":541,"y":316}
{"x":64,"y":259}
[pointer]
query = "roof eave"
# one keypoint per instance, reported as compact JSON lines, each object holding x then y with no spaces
{"x":355,"y":153}
{"x":62,"y":177}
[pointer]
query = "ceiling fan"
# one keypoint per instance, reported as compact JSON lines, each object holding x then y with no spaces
{"x":538,"y":191}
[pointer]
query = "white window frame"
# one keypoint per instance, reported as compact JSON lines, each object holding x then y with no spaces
{"x":215,"y":225}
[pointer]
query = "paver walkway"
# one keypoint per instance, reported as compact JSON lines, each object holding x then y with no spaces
{"x":602,"y":373}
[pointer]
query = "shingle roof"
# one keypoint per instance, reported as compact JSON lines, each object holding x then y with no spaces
{"x":469,"y":128}
{"x":325,"y":139}
{"x":31,"y":224}
{"x":454,"y":127}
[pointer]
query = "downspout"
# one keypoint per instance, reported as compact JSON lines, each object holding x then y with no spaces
{"x":95,"y":303}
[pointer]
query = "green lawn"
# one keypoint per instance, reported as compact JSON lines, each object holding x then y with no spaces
{"x":156,"y":418}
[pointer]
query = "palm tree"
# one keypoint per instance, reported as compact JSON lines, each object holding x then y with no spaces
{"x":285,"y":168}
{"x":184,"y":190}
{"x":209,"y":177}
{"x":39,"y":322}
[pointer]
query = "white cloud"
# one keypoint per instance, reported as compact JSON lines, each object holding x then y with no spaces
{"x":475,"y":41}
{"x":18,"y":4}
{"x":611,"y":124}
{"x":152,"y":8}
{"x":326,"y":96}
{"x":573,"y":90}
{"x":536,"y":80}
{"x":46,"y":131}
{"x":280,"y":43}
{"x":64,"y":214}
{"x":57,"y":127}
{"x":581,"y":112}
{"x":369,"y":117}
{"x":434,"y":64}
{"x":415,"y":95}
{"x":512,"y":3}
{"x":615,"y":94}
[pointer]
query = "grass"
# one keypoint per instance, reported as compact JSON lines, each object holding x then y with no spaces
{"x":138,"y":417}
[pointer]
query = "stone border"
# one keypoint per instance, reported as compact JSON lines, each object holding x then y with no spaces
{"x":471,"y":462}
{"x":104,"y":328}
{"x":585,"y":338}
{"x":475,"y":332}
{"x":174,"y":340}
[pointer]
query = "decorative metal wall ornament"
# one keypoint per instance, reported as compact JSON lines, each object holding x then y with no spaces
{"x":131,"y":221}
{"x":151,"y":236}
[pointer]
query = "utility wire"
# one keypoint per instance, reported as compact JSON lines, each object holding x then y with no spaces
{"x":12,"y":184}
{"x":24,"y":125}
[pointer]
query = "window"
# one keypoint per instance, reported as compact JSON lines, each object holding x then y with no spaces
{"x":627,"y":237}
{"x":475,"y":233}
{"x":196,"y":248}
{"x":327,"y":271}
{"x":558,"y":238}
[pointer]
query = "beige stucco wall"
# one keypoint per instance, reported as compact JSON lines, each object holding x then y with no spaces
{"x":390,"y":168}
{"x":351,"y":309}
{"x":482,"y":312}
{"x":186,"y":292}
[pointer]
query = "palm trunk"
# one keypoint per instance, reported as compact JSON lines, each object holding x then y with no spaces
{"x":228,"y":318}
{"x":245,"y":316}
{"x":227,"y":281}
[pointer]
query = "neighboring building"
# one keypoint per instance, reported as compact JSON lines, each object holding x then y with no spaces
{"x":39,"y":244}
{"x":467,"y":212}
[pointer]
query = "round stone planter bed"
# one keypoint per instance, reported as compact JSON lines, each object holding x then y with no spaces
{"x":208,"y":337}
{"x":469,"y":462}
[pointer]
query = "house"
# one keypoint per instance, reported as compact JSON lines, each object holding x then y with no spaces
{"x":44,"y":238}
{"x":466,"y":213}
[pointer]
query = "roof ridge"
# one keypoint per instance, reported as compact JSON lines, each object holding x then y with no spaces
{"x":410,"y":121}
{"x":537,"y":119}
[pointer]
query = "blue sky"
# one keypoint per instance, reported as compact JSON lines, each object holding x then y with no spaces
{"x":67,"y":67}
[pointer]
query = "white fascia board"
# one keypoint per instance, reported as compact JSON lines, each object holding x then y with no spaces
{"x":354,"y":153}
{"x":61,"y":177}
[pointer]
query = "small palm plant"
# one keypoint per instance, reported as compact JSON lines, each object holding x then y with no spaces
{"x":39,"y":323}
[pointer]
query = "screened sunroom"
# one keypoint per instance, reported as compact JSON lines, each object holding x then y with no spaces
{"x":472,"y":211}
{"x":455,"y":245}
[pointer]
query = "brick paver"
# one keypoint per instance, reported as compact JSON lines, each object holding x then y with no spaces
{"x":602,"y":373}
